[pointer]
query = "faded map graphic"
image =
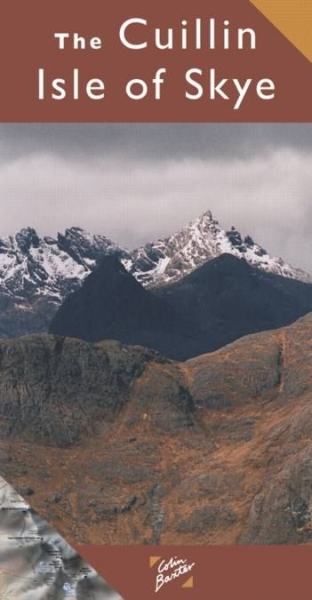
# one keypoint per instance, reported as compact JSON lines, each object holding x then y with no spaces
{"x":36,"y":563}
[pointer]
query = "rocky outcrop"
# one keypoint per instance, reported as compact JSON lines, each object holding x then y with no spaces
{"x":115,"y":444}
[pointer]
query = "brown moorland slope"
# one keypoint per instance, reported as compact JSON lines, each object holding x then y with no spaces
{"x":115,"y":444}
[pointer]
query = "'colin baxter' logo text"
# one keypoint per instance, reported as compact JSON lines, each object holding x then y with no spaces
{"x":170,"y":570}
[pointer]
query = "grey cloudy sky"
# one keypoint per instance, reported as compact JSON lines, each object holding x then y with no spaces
{"x":134,"y":183}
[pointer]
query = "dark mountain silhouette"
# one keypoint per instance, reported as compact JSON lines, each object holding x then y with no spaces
{"x":111,"y":304}
{"x":227,"y":298}
{"x":221,"y":301}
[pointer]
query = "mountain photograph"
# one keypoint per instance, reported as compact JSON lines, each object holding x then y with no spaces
{"x":191,"y":293}
{"x":155,"y":332}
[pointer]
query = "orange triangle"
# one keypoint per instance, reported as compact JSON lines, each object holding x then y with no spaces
{"x":293,"y":18}
{"x":154,"y":560}
{"x":189,"y":583}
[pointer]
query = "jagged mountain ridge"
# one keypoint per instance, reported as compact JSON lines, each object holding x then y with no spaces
{"x":47,"y":266}
{"x":36,"y":274}
{"x":30,"y":265}
{"x":169,"y":260}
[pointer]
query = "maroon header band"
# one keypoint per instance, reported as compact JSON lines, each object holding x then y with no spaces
{"x":138,"y":62}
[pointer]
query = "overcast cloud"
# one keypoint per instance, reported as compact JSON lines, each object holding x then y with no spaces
{"x":135,"y":183}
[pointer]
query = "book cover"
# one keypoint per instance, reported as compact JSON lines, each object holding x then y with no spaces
{"x":155,"y":300}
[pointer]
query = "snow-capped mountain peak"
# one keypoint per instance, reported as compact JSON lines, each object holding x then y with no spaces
{"x":31,"y":266}
{"x":170,"y":259}
{"x":48,"y":266}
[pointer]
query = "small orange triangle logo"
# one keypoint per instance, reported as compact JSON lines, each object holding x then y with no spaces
{"x":189,"y":583}
{"x":154,"y":560}
{"x":293,"y":18}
